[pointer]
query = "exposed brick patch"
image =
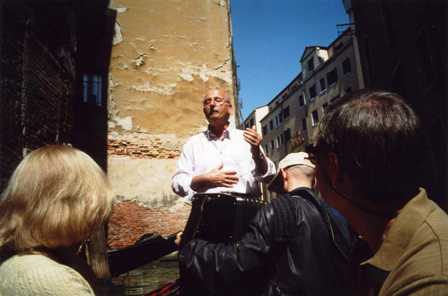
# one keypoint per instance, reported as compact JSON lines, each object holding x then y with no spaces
{"x":130,"y":220}
{"x":142,"y":145}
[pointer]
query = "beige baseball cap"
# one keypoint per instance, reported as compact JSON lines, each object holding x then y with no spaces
{"x":292,"y":159}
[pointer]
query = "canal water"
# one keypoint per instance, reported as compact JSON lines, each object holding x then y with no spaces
{"x":147,"y":278}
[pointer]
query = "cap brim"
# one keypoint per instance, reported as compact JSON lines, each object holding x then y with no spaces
{"x":276,"y":184}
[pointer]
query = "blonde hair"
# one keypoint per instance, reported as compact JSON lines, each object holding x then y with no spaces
{"x":57,"y":196}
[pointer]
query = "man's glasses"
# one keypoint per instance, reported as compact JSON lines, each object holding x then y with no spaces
{"x":217,"y":100}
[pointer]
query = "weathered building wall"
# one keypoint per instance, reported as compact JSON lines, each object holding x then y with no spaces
{"x":166,"y":53}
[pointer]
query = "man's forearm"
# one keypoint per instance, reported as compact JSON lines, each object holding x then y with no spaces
{"x":199,"y":182}
{"x":261,"y":164}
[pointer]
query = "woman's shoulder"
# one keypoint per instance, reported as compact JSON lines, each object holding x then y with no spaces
{"x":34,"y":274}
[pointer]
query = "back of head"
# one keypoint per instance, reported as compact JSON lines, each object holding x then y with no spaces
{"x":56,"y":197}
{"x":376,"y":137}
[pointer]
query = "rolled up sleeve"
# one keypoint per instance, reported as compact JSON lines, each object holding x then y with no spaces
{"x":271,"y":171}
{"x":181,"y":180}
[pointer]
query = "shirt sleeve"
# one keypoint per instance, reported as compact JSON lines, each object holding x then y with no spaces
{"x":181,"y":180}
{"x":270,"y":169}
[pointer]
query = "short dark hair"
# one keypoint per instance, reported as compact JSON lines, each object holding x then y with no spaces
{"x":377,"y":138}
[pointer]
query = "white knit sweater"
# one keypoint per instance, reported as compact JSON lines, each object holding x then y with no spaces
{"x":26,"y":275}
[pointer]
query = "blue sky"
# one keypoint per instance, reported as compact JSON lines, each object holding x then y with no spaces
{"x":269,"y":37}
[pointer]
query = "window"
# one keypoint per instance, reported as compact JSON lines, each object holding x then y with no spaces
{"x":324,"y":106}
{"x":310,"y":64}
{"x":286,"y":112}
{"x":276,"y":143}
{"x":266,"y":149}
{"x":348,"y":90}
{"x":323,"y":85}
{"x":272,"y":145}
{"x":287,"y":135}
{"x":271,"y":125}
{"x":346,"y":66}
{"x":264,"y":130}
{"x":304,"y":124}
{"x":332,"y":77}
{"x":301,"y":100}
{"x":92,"y":89}
{"x":312,"y":91}
{"x":280,"y":117}
{"x":281,"y":139}
{"x":314,"y":118}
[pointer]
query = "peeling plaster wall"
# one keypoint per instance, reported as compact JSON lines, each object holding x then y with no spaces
{"x":165,"y":54}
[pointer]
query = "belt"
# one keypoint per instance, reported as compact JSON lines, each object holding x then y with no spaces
{"x":229,"y":194}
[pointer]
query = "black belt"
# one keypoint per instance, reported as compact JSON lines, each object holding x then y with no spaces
{"x":229,"y":194}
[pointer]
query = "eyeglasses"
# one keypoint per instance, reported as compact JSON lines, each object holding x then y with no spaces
{"x":217,"y":100}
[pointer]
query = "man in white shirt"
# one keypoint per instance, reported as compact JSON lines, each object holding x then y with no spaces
{"x":221,"y":159}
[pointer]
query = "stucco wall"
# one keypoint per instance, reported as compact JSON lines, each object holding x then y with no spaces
{"x":165,"y":54}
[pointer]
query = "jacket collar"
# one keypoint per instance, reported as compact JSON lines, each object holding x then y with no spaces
{"x":342,"y":236}
{"x":397,"y":237}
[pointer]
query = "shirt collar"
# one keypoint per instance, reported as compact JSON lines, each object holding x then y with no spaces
{"x":396,"y":239}
{"x":212,"y":137}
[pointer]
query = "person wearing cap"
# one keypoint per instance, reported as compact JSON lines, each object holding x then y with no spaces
{"x":298,"y":245}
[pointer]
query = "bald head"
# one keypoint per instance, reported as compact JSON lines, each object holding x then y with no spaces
{"x":217,"y":106}
{"x":298,"y":176}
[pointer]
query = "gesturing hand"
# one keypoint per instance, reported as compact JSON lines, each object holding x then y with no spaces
{"x":215,"y":178}
{"x":253,"y":138}
{"x":222,"y":178}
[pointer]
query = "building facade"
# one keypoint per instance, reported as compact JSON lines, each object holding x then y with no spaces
{"x":166,"y":53}
{"x":328,"y":72}
{"x":402,"y":46}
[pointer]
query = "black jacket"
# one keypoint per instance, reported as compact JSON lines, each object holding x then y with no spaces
{"x":295,"y":245}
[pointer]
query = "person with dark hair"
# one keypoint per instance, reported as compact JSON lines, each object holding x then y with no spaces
{"x":296,"y":245}
{"x":367,"y":152}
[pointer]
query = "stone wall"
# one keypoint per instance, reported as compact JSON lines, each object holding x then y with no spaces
{"x":165,"y":54}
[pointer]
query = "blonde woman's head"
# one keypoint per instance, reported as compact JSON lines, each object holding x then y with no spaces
{"x":56,"y":197}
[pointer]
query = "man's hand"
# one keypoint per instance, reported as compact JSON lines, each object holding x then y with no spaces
{"x":254,"y":139}
{"x":178,"y":238}
{"x":222,"y":178}
{"x":215,"y":178}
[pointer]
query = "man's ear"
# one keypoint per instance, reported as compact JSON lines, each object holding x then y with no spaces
{"x":284,"y":179}
{"x":284,"y":174}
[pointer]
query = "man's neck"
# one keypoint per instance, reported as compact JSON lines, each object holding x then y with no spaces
{"x":370,"y":227}
{"x":295,"y":185}
{"x":218,"y":128}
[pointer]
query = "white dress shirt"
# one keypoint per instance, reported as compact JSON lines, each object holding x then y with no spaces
{"x":204,"y":152}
